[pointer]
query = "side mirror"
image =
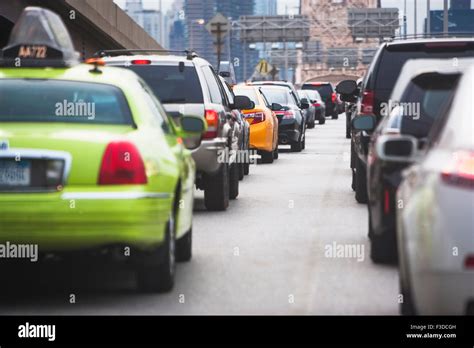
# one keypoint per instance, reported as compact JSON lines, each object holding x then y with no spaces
{"x":276,"y":107}
{"x":242,"y":102}
{"x":304,"y":103}
{"x":364,"y":123}
{"x":396,"y":148}
{"x":347,"y":87}
{"x":191,"y":130}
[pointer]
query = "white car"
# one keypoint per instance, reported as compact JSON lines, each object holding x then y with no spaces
{"x":435,"y":222}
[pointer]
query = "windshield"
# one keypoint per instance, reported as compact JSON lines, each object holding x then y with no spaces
{"x":172,"y":84}
{"x":62,"y":101}
{"x":324,"y":90}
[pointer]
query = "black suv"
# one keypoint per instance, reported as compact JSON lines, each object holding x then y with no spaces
{"x":378,"y":84}
{"x":328,"y":94}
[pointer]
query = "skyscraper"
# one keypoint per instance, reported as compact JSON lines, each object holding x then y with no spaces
{"x":265,"y":8}
{"x":149,"y":20}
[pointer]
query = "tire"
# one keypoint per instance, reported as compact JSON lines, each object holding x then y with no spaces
{"x":157,"y":270}
{"x":296,"y":147}
{"x":241,"y":171}
{"x":312,"y":124}
{"x":234,"y":181}
{"x":275,"y":153}
{"x":216,"y":193}
{"x":322,"y":120}
{"x":380,"y":249}
{"x":303,"y":143}
{"x":353,"y":184}
{"x":246,"y":168}
{"x":335,"y":115}
{"x":360,"y":182}
{"x":267,"y":156}
{"x":184,"y":247}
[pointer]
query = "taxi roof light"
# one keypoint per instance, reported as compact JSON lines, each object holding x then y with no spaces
{"x":39,"y":39}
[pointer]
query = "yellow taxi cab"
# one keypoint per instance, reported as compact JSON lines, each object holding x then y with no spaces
{"x":263,"y":123}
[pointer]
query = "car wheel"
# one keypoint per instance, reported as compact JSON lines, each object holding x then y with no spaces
{"x":312,"y":124}
{"x":381,"y":249}
{"x":360,"y":182}
{"x":296,"y":147}
{"x":322,"y":120}
{"x":267,"y":156}
{"x":246,"y":168}
{"x":335,"y":115}
{"x":241,"y":171}
{"x":216,"y":193}
{"x":234,"y":181}
{"x":157,"y":269}
{"x":275,"y":153}
{"x":353,"y":184}
{"x":184,"y":247}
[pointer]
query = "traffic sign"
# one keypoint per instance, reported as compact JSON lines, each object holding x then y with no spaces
{"x":263,"y":67}
{"x":218,"y":23}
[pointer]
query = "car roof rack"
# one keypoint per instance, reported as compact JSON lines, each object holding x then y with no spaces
{"x":190,"y":54}
{"x":437,"y":35}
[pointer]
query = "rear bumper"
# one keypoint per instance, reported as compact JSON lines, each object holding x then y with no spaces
{"x":85,"y":219}
{"x":206,"y":155}
{"x":288,"y":132}
{"x":261,"y":136}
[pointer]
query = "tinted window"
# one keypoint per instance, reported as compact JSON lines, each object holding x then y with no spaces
{"x":31,"y":100}
{"x":393,"y":59}
{"x":211,"y":80}
{"x":161,"y":117}
{"x":324,"y":90}
{"x":426,"y":98}
{"x":170,"y":84}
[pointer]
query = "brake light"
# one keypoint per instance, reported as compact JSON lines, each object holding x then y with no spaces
{"x":386,"y":202}
{"x":141,"y":62}
{"x":122,"y":164}
{"x":445,"y":44}
{"x":288,"y":114}
{"x":212,"y":119}
{"x":316,"y":104}
{"x":316,"y":84}
{"x":469,"y":262}
{"x":333,"y":97}
{"x":367,"y":103}
{"x":461,"y":171}
{"x":257,"y":116}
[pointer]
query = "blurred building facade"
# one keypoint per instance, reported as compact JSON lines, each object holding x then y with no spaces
{"x":150,"y":20}
{"x":333,"y":52}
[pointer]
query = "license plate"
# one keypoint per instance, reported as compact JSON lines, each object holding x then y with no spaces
{"x":13,"y":173}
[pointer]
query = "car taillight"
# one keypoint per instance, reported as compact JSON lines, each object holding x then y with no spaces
{"x":212,"y":119}
{"x":461,"y":171}
{"x":288,"y":114}
{"x":469,"y":261}
{"x":141,"y":62}
{"x":257,"y":116}
{"x":316,"y":104}
{"x":334,"y":97}
{"x":122,"y":164}
{"x":367,"y":103}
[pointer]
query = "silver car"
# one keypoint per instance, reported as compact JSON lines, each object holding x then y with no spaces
{"x":435,"y":220}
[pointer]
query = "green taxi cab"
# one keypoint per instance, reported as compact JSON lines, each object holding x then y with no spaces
{"x":89,"y":160}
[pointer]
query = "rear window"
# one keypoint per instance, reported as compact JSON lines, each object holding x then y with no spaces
{"x":393,"y":59}
{"x":278,"y":95}
{"x":35,"y":100}
{"x":324,"y":90}
{"x":426,"y":98}
{"x":248,"y":92}
{"x":170,"y":84}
